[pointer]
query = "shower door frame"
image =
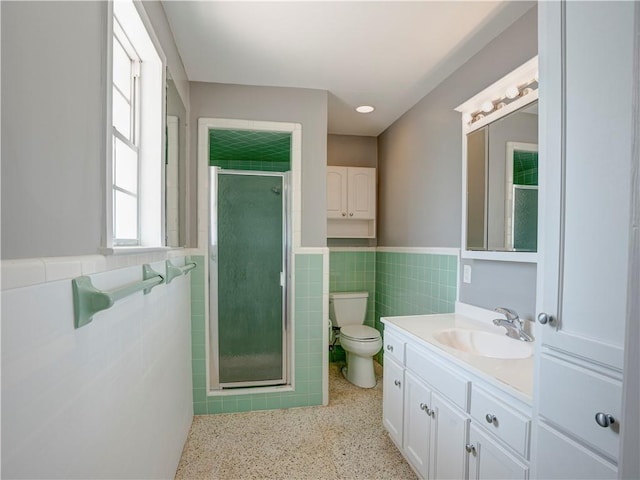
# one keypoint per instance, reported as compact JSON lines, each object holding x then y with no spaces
{"x":285,"y":275}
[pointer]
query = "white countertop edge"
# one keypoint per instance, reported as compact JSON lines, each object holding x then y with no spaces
{"x":460,"y":361}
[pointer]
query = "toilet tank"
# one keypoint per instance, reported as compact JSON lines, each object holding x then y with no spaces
{"x":347,"y":308}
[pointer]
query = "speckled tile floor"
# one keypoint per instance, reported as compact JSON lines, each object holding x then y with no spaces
{"x":345,"y":440}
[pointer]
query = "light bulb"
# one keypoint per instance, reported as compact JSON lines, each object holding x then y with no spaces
{"x":487,"y":106}
{"x":466,"y":117}
{"x":512,"y":92}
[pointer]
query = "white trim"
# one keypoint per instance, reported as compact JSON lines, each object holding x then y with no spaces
{"x":310,"y":251}
{"x":203,"y":218}
{"x":352,"y":249}
{"x":27,"y":272}
{"x":515,"y":257}
{"x":428,"y":250}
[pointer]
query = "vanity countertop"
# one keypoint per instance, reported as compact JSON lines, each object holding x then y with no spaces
{"x":514,"y":375}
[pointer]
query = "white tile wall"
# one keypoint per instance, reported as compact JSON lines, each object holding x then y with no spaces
{"x":109,"y":400}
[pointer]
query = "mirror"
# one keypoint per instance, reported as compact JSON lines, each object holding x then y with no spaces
{"x":175,"y":168}
{"x":502,"y":183}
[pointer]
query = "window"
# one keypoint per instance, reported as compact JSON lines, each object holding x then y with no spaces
{"x":135,"y":161}
{"x":125,"y":147}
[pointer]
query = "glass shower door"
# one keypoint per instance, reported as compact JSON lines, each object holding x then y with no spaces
{"x":250,"y":241}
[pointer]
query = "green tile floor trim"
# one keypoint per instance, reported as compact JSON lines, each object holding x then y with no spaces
{"x":308,"y":306}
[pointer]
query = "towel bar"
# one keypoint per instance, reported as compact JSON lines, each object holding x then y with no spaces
{"x":88,"y":300}
{"x":173,"y":271}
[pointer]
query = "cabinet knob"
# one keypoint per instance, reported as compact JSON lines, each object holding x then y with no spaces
{"x":491,"y":418}
{"x":397,"y":383}
{"x":470,"y":448}
{"x":390,"y":348}
{"x":605,"y":419}
{"x":351,"y":214}
{"x":344,"y":214}
{"x":545,"y":318}
{"x":425,"y":408}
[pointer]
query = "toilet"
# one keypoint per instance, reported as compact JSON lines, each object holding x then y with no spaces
{"x":347,"y":310}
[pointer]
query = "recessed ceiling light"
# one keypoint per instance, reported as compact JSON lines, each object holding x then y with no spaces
{"x":365,"y":109}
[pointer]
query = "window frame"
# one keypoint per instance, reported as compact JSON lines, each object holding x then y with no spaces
{"x":150,"y":222}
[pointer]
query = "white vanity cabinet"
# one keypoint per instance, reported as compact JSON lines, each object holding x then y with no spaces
{"x":351,"y":202}
{"x":585,"y":142}
{"x":429,"y":412}
{"x":499,"y":437}
{"x":491,"y":461}
{"x":392,"y":400}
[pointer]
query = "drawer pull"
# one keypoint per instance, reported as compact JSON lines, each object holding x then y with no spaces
{"x":425,"y":408}
{"x":491,"y":418}
{"x":397,"y":383}
{"x":390,"y":348}
{"x":604,"y":419}
{"x":470,"y":448}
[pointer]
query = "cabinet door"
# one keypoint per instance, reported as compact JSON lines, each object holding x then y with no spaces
{"x":392,"y":399}
{"x":362,"y":193}
{"x":585,"y":144}
{"x":586,"y":193}
{"x":417,"y":423}
{"x":336,"y":192}
{"x":561,"y":457}
{"x":490,"y":461}
{"x":449,"y":427}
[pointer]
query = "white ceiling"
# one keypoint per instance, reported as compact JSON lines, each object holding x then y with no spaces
{"x":387,"y":54}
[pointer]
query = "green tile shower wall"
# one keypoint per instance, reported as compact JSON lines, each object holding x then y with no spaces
{"x":308,"y":345}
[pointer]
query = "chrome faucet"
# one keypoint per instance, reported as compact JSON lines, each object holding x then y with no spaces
{"x":513,"y":324}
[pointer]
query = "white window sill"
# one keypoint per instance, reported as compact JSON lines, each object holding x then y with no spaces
{"x":129,"y":250}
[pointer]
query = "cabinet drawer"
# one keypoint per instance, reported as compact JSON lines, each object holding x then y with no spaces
{"x":572,"y":395}
{"x":394,"y":347}
{"x":509,"y":425}
{"x":443,"y":379}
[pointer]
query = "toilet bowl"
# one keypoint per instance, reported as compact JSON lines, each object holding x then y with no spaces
{"x":360,"y":343}
{"x":347,"y":310}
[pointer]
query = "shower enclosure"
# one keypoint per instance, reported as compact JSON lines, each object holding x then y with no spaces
{"x":248,"y":278}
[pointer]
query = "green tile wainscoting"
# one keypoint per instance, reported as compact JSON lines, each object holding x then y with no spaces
{"x":399,"y":283}
{"x":308,"y":330}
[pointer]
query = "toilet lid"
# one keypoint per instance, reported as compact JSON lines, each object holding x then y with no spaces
{"x":359,"y":332}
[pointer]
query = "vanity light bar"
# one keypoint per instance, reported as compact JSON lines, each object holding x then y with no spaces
{"x":489,"y":106}
{"x":511,"y":88}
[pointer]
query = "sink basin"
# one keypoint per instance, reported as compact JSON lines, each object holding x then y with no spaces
{"x":484,"y":344}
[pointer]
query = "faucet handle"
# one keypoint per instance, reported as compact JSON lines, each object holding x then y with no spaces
{"x":509,"y":313}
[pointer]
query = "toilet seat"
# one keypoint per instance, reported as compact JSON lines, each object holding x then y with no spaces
{"x":360,"y":333}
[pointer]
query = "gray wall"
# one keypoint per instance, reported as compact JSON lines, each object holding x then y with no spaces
{"x":296,"y":105}
{"x":53,"y":124}
{"x":352,"y":151}
{"x":420,"y":168}
{"x":53,"y":127}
